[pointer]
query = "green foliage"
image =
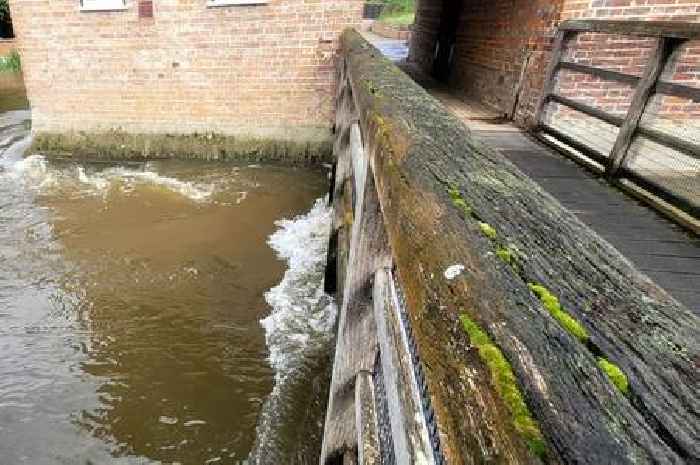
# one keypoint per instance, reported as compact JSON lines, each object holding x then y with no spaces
{"x":11,"y":63}
{"x":488,"y":231}
{"x":4,"y":10}
{"x":398,"y":12}
{"x":506,"y":385}
{"x":551,"y":303}
{"x":615,"y":375}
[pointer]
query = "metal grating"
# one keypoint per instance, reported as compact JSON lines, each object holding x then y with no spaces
{"x":386,"y":443}
{"x":419,"y":373}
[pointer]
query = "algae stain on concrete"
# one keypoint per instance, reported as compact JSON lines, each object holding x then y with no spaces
{"x":309,"y":148}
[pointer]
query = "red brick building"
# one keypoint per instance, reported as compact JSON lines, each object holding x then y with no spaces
{"x":237,"y":67}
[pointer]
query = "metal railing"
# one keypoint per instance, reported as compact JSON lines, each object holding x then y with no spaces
{"x":661,"y":160}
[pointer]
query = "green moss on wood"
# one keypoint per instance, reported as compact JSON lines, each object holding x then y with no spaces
{"x":506,"y":255}
{"x":488,"y":231}
{"x":551,"y":303}
{"x":614,"y":374}
{"x":459,"y":202}
{"x":506,"y":385}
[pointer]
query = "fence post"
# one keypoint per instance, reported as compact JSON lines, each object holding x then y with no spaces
{"x":557,"y":52}
{"x":642,"y":93}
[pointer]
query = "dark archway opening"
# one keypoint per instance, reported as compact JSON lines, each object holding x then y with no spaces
{"x":446,"y":40}
{"x":6,"y":31}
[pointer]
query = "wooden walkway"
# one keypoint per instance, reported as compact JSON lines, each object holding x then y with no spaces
{"x":664,"y":251}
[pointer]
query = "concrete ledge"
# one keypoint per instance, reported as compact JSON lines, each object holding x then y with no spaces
{"x":314,"y":149}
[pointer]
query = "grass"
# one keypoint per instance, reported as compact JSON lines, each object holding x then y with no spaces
{"x":506,"y":385}
{"x":11,"y":63}
{"x":398,"y":12}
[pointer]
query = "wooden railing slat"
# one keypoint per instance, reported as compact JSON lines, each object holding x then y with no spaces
{"x":642,"y":93}
{"x":587,"y":109}
{"x":671,"y":29}
{"x":557,"y":52}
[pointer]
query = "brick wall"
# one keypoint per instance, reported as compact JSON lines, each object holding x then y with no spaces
{"x":500,"y":50}
{"x":262,"y":70}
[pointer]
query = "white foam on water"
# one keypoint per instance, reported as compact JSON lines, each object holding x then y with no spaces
{"x":102,"y":181}
{"x":35,"y":172}
{"x":298,"y":330}
{"x":303,"y":315}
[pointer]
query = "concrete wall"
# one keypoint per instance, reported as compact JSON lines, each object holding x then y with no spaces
{"x":264,"y":70}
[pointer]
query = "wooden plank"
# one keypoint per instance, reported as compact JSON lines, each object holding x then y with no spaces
{"x":409,"y":431}
{"x":678,"y":90}
{"x":549,"y":79}
{"x":685,"y":146}
{"x":573,"y":143}
{"x":674,"y":29}
{"x":359,"y":163}
{"x":420,"y":151}
{"x":644,"y":89}
{"x":368,"y":452}
{"x":600,"y":72}
{"x":668,"y":209}
{"x":662,"y":192}
{"x":587,"y":109}
{"x":367,"y":249}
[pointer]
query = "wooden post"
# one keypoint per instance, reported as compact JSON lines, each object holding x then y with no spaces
{"x":409,"y":431}
{"x":639,"y":102}
{"x":368,"y":452}
{"x":557,"y":51}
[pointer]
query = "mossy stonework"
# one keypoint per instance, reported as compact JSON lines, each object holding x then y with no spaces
{"x":305,"y":148}
{"x":448,"y":201}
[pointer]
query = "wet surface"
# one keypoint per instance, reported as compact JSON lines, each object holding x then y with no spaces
{"x":131,"y":300}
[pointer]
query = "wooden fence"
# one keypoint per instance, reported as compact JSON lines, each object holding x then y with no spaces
{"x":681,"y":188}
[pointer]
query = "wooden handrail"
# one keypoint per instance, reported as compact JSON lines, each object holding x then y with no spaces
{"x":670,"y":29}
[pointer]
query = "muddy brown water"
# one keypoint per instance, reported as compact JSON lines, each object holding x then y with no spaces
{"x":131,"y":300}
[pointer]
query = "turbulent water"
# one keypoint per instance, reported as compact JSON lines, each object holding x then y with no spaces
{"x":160,"y":312}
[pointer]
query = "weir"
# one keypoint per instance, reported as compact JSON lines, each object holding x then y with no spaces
{"x":480,"y":321}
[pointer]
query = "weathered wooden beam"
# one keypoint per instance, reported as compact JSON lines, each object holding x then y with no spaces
{"x":600,"y":72}
{"x":662,"y":192}
{"x":549,"y":79}
{"x":588,"y":110}
{"x":684,"y":146}
{"x":410,"y":436}
{"x":673,"y":29}
{"x":641,"y":96}
{"x":419,"y":151}
{"x":368,"y":452}
{"x":575,"y":144}
{"x":367,"y":250}
{"x":678,"y":90}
